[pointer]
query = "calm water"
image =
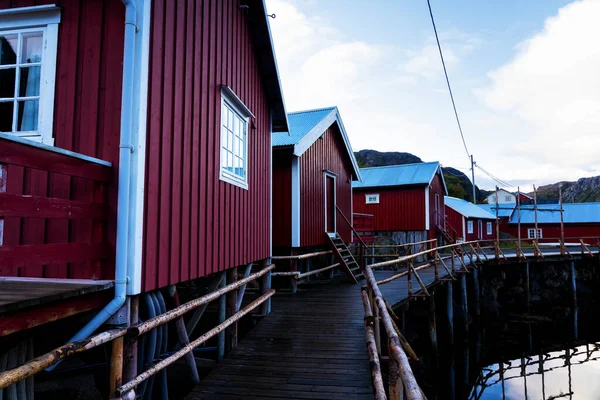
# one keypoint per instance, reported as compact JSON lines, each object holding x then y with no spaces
{"x":544,"y":348}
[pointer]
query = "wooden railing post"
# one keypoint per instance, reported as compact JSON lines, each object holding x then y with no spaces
{"x":396,"y":389}
{"x":409,"y":279}
{"x":293,"y":280}
{"x":435,"y":265}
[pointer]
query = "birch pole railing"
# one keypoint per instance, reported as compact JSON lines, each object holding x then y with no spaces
{"x":46,"y":360}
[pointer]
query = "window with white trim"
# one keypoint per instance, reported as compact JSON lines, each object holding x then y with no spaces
{"x":28,"y":47}
{"x":469,"y":226}
{"x":508,"y":198}
{"x":531,"y":233}
{"x":489,"y":228}
{"x":372,"y":198}
{"x":234,"y":139}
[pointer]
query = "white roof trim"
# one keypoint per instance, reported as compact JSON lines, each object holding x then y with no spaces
{"x":22,"y":17}
{"x":316,"y":132}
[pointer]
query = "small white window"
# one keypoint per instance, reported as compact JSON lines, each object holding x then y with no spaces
{"x":531,"y":233}
{"x":28,"y":46}
{"x":372,"y":198}
{"x":234,"y":139}
{"x":469,"y":226}
{"x":507,"y":198}
{"x":489,"y":228}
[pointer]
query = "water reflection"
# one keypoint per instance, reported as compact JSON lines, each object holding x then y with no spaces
{"x":570,"y":374}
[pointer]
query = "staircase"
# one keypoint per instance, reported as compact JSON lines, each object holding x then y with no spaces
{"x":345,"y":258}
{"x":446,"y":235}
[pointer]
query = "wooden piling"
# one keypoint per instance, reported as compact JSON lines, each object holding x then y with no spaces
{"x":222,"y":312}
{"x":573,"y":282}
{"x":231,"y":333}
{"x":463,"y":300}
{"x":293,"y":281}
{"x":116,"y":366}
{"x":450,"y":311}
{"x":131,"y":344}
{"x":265,"y":285}
{"x":527,"y":291}
{"x":476,"y":291}
{"x":432,"y":325}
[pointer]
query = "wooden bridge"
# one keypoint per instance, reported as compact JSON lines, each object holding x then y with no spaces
{"x":312,"y":345}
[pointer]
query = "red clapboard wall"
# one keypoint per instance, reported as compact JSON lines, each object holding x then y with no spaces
{"x":282,"y":198}
{"x":399,"y":208}
{"x":196,"y":224}
{"x":551,"y":232}
{"x":86,"y":120}
{"x":327,"y":154}
{"x":436,"y":218}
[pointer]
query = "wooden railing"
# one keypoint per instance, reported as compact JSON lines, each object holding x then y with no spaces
{"x":54,"y":212}
{"x":447,"y":261}
{"x":122,"y":390}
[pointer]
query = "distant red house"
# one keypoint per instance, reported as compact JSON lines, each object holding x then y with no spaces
{"x":313,"y":171}
{"x":465,"y":221}
{"x":406,"y":201}
{"x":173,"y":132}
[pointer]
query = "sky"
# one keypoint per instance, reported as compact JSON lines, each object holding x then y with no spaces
{"x":525,"y":77}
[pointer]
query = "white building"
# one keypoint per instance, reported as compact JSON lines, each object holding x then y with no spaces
{"x":504,"y":197}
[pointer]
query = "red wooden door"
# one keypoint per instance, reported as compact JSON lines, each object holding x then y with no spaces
{"x":330,"y":204}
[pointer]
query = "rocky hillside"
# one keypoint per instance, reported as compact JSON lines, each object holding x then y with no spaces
{"x":584,"y":190}
{"x":459,"y":185}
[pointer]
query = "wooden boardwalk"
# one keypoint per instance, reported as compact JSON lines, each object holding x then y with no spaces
{"x":312,"y":346}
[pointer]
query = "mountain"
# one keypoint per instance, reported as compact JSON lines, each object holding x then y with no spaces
{"x":459,"y":185}
{"x":584,"y":190}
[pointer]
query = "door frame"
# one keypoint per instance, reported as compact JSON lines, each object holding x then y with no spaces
{"x":325,"y":176}
{"x":479,"y":229}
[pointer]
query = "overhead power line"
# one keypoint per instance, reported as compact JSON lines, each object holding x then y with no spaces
{"x":495,"y":178}
{"x":448,"y":80}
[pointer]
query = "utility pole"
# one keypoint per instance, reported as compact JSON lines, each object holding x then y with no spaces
{"x":473,"y":179}
{"x":562,"y":224}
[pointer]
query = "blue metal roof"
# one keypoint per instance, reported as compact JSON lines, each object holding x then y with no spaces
{"x":466,"y":208}
{"x":301,"y":123}
{"x":550,"y":213}
{"x":504,"y":210}
{"x":398,"y":175}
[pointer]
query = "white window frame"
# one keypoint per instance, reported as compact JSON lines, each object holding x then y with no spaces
{"x":45,"y":18}
{"x":229,"y":99}
{"x":470,"y":226}
{"x":374,"y":201}
{"x":531,"y":233}
{"x":508,"y":198}
{"x":488,"y":228}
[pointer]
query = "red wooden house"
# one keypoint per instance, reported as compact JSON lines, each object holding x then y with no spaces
{"x":465,"y":221}
{"x":580,"y":220}
{"x":135,"y":150}
{"x":313,"y":171}
{"x":406,"y":201}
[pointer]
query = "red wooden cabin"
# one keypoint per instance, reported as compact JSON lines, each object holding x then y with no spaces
{"x":135,"y":150}
{"x":313,"y":171}
{"x":465,"y":221}
{"x":406,"y":201}
{"x":580,"y":220}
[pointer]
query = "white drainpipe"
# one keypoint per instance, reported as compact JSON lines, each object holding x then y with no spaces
{"x":125,"y":150}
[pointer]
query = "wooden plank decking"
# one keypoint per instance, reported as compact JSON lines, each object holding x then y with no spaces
{"x":17,"y":293}
{"x":312,"y":346}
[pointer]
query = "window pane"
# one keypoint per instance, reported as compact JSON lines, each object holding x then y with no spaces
{"x":6,"y":116}
{"x":239,"y":148}
{"x":7,"y":82}
{"x":32,"y":47}
{"x":30,"y":81}
{"x":229,"y":119}
{"x":8,"y":49}
{"x":28,"y":115}
{"x":230,"y":141}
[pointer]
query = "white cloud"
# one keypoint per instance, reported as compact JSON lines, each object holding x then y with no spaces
{"x":553,"y":85}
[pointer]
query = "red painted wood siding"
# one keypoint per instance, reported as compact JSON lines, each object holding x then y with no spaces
{"x":552,"y":231}
{"x":436,"y":218}
{"x":454,"y":221}
{"x":475,"y":234}
{"x":328,"y":154}
{"x":399,"y":209}
{"x":282,"y":198}
{"x":196,"y":224}
{"x":86,"y":120}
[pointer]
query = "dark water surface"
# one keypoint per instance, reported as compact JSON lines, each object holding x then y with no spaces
{"x":538,"y":344}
